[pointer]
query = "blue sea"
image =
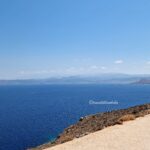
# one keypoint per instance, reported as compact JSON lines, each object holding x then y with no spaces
{"x":35,"y":114}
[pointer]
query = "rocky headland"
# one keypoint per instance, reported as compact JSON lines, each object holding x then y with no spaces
{"x":96,"y":122}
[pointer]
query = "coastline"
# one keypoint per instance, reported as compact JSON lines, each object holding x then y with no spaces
{"x":94,"y":123}
{"x":132,"y":135}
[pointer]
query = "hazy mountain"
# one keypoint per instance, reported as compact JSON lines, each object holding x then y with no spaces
{"x":143,"y":81}
{"x":99,"y":79}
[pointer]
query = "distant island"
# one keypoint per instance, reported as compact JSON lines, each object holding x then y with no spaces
{"x":99,"y":79}
{"x":143,"y":81}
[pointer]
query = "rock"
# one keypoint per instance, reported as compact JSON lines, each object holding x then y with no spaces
{"x":81,"y":118}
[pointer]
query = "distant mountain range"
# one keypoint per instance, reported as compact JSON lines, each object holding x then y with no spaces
{"x":99,"y":79}
{"x":143,"y":81}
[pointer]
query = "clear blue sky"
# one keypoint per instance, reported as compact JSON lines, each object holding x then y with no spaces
{"x":44,"y":38}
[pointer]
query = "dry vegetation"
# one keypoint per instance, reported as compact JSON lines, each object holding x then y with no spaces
{"x":127,"y":117}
